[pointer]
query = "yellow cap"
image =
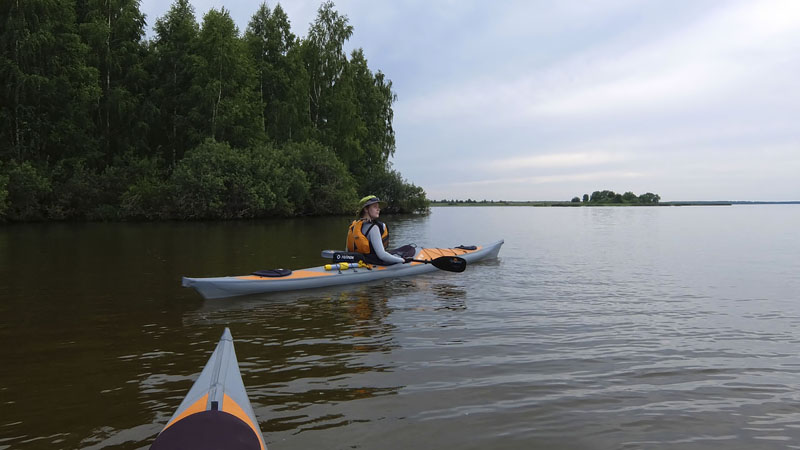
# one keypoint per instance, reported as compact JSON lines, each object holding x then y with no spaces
{"x":369,"y":200}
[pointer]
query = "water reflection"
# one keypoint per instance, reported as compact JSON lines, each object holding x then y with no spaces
{"x":452,"y":297}
{"x":301,"y":354}
{"x":603,"y":328}
{"x":319,"y":352}
{"x":428,"y":293}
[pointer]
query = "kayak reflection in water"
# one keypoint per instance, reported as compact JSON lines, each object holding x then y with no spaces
{"x":368,"y":236}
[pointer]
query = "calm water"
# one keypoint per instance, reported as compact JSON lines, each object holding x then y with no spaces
{"x":596,"y":328}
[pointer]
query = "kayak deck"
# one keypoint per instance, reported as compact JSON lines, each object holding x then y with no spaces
{"x":316,"y":277}
{"x":216,"y":412}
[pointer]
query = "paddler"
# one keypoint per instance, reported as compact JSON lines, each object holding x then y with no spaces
{"x":369,"y":236}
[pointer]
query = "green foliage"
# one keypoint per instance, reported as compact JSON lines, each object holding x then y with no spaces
{"x":325,"y":59}
{"x":370,"y":117}
{"x":610,"y":197}
{"x":47,"y":87}
{"x":576,"y":200}
{"x":145,"y":199}
{"x":269,"y":42}
{"x":74,"y":190}
{"x":374,"y":99}
{"x":144,"y":192}
{"x":173,"y":62}
{"x":224,"y":79}
{"x":28,"y":192}
{"x":199,"y":182}
{"x":649,"y":198}
{"x":602,"y":197}
{"x":217,"y":181}
{"x":401,"y":196}
{"x":200,"y":122}
{"x":343,"y":129}
{"x":113,"y":30}
{"x":3,"y":193}
{"x":330,"y":187}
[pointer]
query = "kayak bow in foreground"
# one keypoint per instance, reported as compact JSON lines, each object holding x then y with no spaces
{"x":216,"y":412}
{"x":316,"y":277}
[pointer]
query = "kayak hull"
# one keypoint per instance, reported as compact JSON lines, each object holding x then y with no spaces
{"x":216,"y":413}
{"x":317,"y":277}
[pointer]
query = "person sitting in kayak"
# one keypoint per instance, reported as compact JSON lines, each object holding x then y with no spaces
{"x":369,"y":236}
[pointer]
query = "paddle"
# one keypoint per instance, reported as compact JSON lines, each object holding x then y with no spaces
{"x":448,"y":263}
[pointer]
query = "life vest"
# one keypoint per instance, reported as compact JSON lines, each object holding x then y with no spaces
{"x":358,"y":241}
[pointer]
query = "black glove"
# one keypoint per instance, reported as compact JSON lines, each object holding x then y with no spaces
{"x":408,"y":259}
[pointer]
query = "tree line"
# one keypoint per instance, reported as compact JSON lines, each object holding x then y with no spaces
{"x":611,"y":197}
{"x":199,"y":122}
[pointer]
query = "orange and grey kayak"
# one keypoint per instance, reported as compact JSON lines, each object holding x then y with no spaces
{"x":319,"y":277}
{"x":216,"y":413}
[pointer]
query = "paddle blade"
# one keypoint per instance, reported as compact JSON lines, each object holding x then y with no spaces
{"x":450,"y":263}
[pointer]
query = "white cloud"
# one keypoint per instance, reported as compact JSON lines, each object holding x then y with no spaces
{"x":555,"y":160}
{"x":708,"y":60}
{"x":546,"y":100}
{"x":546,"y":179}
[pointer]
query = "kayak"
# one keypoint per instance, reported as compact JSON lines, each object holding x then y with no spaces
{"x":334,"y":274}
{"x":216,"y":412}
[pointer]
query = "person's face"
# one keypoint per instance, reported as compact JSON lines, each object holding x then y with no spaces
{"x":374,"y":210}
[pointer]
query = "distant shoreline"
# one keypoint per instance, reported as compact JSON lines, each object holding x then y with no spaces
{"x":581,"y":204}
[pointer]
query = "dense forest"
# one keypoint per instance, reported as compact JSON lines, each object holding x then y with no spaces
{"x":198,"y":122}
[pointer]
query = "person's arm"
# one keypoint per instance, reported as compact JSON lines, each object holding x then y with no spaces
{"x":377,"y":244}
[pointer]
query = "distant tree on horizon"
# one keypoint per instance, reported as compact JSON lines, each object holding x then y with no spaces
{"x":611,"y":197}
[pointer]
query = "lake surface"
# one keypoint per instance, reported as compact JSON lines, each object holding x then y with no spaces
{"x":596,"y":328}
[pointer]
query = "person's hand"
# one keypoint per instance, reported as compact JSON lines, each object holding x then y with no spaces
{"x":408,"y":259}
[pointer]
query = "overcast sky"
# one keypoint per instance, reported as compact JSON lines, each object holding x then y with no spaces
{"x":546,"y":100}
